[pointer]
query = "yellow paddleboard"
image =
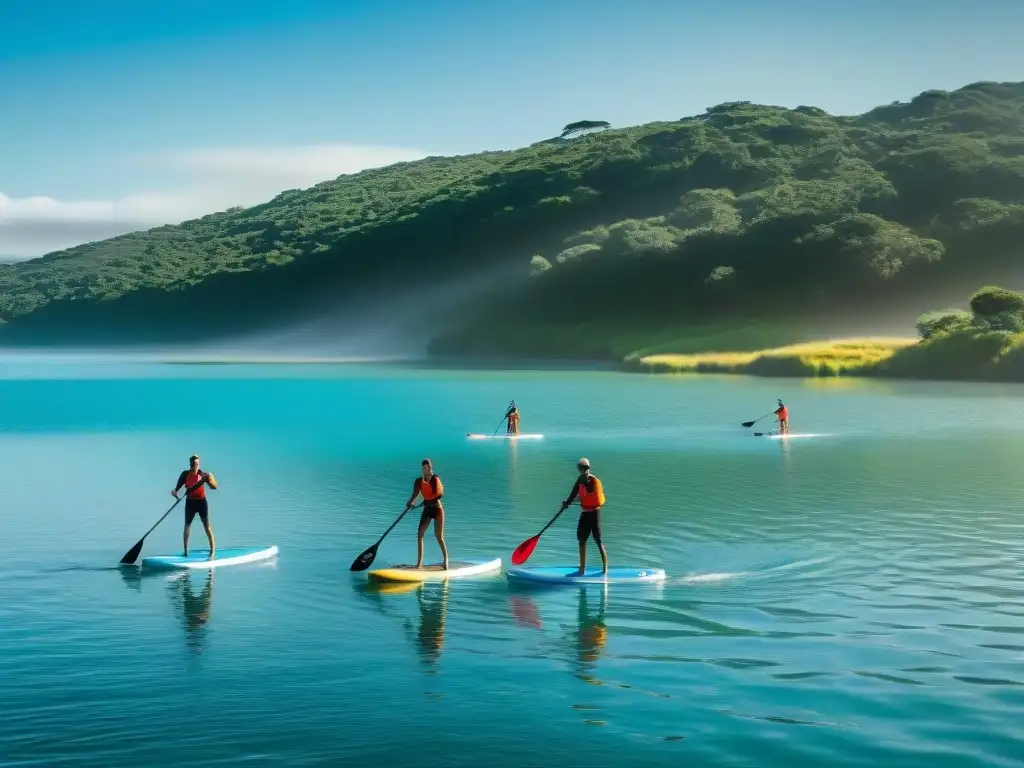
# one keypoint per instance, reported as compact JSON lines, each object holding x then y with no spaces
{"x":471,"y":566}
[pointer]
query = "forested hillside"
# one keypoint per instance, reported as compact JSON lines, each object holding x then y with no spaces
{"x":746,"y":211}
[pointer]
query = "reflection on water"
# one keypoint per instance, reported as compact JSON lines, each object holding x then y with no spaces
{"x":192,"y":600}
{"x":132,"y":576}
{"x":432,"y":603}
{"x":432,"y":600}
{"x":194,"y":605}
{"x":587,"y":638}
{"x":591,"y":633}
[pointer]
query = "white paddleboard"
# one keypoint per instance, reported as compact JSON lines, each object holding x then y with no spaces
{"x":469,"y":566}
{"x":473,"y":436}
{"x":790,"y":436}
{"x":566,"y":574}
{"x":200,"y":558}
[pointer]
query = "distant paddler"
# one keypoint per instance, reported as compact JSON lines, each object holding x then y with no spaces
{"x":429,"y":486}
{"x":782,"y":413}
{"x":196,"y":481}
{"x":590,"y":492}
{"x":512,"y":417}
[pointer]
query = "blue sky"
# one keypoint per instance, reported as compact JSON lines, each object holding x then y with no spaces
{"x":118,"y":115}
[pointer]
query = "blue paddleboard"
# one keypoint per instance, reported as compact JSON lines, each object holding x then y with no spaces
{"x":200,"y":558}
{"x":560,"y":574}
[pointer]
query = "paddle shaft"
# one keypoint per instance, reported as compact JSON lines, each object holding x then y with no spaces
{"x":133,"y":554}
{"x":503,"y":420}
{"x":551,"y":522}
{"x":187,"y":492}
{"x":752,"y":423}
{"x":397,"y":521}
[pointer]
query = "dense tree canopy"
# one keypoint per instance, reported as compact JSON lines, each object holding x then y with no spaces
{"x":738,"y":208}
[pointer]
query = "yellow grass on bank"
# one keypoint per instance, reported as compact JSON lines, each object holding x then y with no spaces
{"x":832,"y":357}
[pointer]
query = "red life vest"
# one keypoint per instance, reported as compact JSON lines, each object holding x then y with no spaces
{"x":191,"y":478}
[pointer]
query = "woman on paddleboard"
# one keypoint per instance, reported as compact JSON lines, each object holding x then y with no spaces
{"x":591,"y":495}
{"x":782,"y":412}
{"x":512,"y":415}
{"x":195,"y":500}
{"x":429,"y":486}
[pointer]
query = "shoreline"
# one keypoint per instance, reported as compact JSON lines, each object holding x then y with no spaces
{"x":849,"y":358}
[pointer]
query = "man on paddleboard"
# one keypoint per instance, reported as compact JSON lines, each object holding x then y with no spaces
{"x":429,"y":486}
{"x":782,"y":412}
{"x":591,"y":495}
{"x":512,"y":415}
{"x":195,"y":500}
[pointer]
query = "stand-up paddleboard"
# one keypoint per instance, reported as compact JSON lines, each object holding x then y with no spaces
{"x":564,"y":574}
{"x":200,"y":558}
{"x":790,"y":436}
{"x":532,"y":436}
{"x":457,"y":569}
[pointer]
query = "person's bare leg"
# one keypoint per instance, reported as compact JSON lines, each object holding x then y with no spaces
{"x":439,"y":535}
{"x":209,"y":535}
{"x":419,"y":542}
{"x":583,"y":559}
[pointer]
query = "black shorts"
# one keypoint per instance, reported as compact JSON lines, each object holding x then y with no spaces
{"x":429,"y":513}
{"x":589,"y":525}
{"x":195,"y":507}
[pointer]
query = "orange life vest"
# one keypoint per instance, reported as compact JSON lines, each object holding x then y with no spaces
{"x":591,"y":499}
{"x":430,"y":489}
{"x":783,"y":413}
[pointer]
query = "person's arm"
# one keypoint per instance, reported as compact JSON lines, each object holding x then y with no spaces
{"x":415,"y":492}
{"x":210,"y":480}
{"x":438,"y":487}
{"x":572,"y":496}
{"x":181,"y":482}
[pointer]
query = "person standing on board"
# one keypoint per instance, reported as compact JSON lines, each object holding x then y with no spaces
{"x":591,"y":495}
{"x":195,"y":500}
{"x":429,"y":486}
{"x":783,"y":414}
{"x":512,"y":416}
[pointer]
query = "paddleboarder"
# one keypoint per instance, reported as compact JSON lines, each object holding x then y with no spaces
{"x":195,"y":500}
{"x":782,"y":412}
{"x":591,"y":495}
{"x":430,"y":487}
{"x":512,"y":416}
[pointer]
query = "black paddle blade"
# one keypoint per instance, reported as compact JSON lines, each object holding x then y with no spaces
{"x":748,"y":423}
{"x":365,"y":560}
{"x":132,"y":554}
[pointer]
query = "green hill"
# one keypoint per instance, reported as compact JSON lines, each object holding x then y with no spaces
{"x":746,"y":215}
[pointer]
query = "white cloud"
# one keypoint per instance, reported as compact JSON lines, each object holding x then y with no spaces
{"x":218,"y":179}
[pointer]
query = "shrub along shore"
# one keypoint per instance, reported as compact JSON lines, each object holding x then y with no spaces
{"x":983,"y":344}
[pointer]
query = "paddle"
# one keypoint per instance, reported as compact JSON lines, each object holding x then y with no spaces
{"x":523,"y":551}
{"x":503,"y":420}
{"x":365,"y":560}
{"x":752,"y":423}
{"x":133,"y":554}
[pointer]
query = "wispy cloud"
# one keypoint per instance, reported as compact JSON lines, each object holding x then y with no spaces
{"x":217,"y":179}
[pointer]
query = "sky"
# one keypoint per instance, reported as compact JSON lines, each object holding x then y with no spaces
{"x":122,"y":115}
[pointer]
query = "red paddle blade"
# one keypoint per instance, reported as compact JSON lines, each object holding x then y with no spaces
{"x":524,"y":550}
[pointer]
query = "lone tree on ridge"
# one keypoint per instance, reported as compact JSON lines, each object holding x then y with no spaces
{"x":584,"y":126}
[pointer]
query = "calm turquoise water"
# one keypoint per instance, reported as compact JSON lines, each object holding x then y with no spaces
{"x":849,"y":599}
